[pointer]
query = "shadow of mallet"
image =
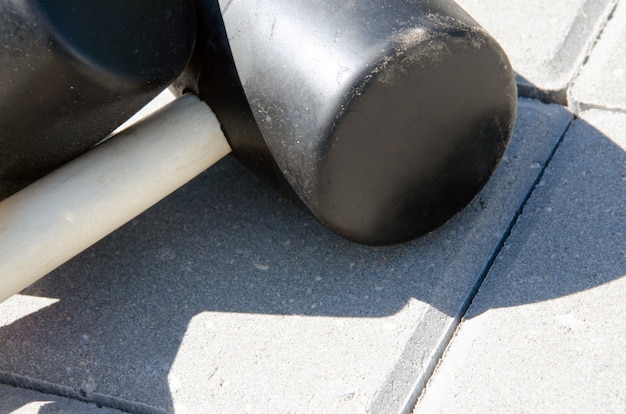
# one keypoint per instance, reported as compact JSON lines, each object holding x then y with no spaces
{"x":383,"y":119}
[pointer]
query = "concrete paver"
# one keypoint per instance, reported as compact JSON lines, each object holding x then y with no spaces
{"x":224,"y":298}
{"x":602,"y":79}
{"x":546,"y":331}
{"x":547,"y":41}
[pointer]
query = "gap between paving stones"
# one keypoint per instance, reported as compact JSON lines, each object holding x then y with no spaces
{"x":588,"y":52}
{"x":579,"y":107}
{"x":99,"y":400}
{"x":421,"y":382}
{"x":468,"y":302}
{"x":528,"y":91}
{"x":582,"y":107}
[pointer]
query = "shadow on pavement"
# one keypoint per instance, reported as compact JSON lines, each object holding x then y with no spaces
{"x":225,"y":243}
{"x":571,"y":236}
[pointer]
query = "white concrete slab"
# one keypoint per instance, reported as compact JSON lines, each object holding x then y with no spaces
{"x":224,"y":298}
{"x":546,"y":331}
{"x":547,"y":41}
{"x":602,"y":81}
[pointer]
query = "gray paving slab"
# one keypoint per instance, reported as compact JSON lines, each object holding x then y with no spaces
{"x":546,"y":331}
{"x":547,"y":41}
{"x":20,"y":401}
{"x":225,"y":298}
{"x":600,"y":83}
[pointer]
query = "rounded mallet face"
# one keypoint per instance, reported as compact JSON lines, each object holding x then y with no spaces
{"x":385,"y":118}
{"x":72,"y":71}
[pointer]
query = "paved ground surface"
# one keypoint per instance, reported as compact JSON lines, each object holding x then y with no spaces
{"x":224,"y":298}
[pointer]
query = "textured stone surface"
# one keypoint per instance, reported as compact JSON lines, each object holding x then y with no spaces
{"x":21,"y":401}
{"x":602,"y":81}
{"x":546,"y":331}
{"x":225,"y":298}
{"x":547,"y":41}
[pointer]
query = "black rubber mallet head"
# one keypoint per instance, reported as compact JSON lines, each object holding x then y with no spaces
{"x":384,"y":117}
{"x":71,"y":71}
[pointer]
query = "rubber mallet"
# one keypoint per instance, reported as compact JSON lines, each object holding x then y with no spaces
{"x":384,"y":119}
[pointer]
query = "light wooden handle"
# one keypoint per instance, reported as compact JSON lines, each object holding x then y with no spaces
{"x":54,"y":219}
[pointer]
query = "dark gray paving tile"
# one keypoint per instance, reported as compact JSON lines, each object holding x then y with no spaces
{"x":225,"y":298}
{"x":546,"y":331}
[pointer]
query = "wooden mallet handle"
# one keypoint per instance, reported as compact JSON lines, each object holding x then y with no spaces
{"x":62,"y":214}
